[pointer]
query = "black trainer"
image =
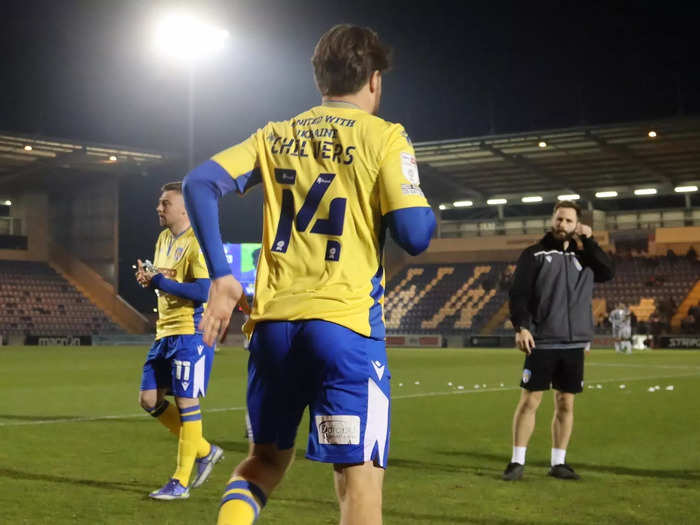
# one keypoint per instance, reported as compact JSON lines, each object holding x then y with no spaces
{"x":513,"y":472}
{"x":563,"y":471}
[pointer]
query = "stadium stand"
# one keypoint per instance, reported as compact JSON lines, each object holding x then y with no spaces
{"x":35,"y":300}
{"x":471,"y":298}
{"x":650,"y":284}
{"x":446,"y":299}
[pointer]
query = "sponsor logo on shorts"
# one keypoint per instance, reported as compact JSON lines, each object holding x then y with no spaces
{"x":338,"y":430}
{"x":527,"y":374}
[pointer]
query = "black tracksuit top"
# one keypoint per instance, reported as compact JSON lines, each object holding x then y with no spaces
{"x":552,"y":292}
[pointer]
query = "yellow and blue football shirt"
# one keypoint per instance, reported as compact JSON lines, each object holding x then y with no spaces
{"x":178,"y":258}
{"x":329,"y":175}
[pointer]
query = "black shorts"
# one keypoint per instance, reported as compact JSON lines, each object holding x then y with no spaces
{"x":560,"y":368}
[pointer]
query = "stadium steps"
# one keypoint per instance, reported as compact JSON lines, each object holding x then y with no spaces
{"x":690,"y":300}
{"x":496,"y":320}
{"x":102,"y":294}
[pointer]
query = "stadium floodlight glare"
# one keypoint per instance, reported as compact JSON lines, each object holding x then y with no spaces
{"x":496,"y":202}
{"x":569,"y":197}
{"x":605,"y":194}
{"x":542,"y":144}
{"x":443,"y":206}
{"x":28,"y":148}
{"x":652,"y":134}
{"x":184,"y":37}
{"x":685,"y":189}
{"x":462,"y":204}
{"x":113,"y":158}
{"x":645,"y":191}
{"x":531,"y":198}
{"x":7,"y":203}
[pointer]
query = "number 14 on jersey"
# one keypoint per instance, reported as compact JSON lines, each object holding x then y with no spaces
{"x":332,"y":226}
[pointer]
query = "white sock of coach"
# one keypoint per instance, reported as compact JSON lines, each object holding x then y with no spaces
{"x":558,"y":456}
{"x":518,"y":455}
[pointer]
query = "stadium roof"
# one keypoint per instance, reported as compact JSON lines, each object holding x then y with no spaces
{"x":21,"y":156}
{"x":580,"y":160}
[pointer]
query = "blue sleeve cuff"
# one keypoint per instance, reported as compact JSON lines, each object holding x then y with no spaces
{"x":197,"y":291}
{"x":411,"y":228}
{"x":202,"y":188}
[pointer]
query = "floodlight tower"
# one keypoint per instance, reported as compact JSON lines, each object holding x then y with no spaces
{"x":187,"y":40}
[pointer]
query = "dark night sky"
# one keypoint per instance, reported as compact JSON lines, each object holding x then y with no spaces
{"x":85,"y":70}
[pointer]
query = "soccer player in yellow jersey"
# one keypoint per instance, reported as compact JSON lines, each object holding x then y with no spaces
{"x":179,"y":362}
{"x":335,"y":177}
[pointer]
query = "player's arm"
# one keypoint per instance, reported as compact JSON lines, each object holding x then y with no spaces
{"x":232,"y":169}
{"x":405,"y":211}
{"x":196,"y":291}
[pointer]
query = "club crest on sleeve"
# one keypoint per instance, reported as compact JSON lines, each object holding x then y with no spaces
{"x":409,"y":168}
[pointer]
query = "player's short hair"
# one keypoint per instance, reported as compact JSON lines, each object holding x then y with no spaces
{"x":568,"y":204}
{"x":172,"y":186}
{"x":345,"y":57}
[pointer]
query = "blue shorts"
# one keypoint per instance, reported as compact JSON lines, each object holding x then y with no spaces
{"x":179,"y":363}
{"x":341,"y":376}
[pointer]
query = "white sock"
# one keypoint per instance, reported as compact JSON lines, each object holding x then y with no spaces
{"x":518,"y":455}
{"x":617,"y":346}
{"x":558,"y":456}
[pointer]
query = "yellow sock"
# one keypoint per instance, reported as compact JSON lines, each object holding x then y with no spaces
{"x":203,"y":448}
{"x":241,"y":503}
{"x":169,"y":416}
{"x":190,"y":437}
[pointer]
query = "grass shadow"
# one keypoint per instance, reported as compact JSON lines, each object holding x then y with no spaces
{"x":688,"y":475}
{"x":93,"y":483}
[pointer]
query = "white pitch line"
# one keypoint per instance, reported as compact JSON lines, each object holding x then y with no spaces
{"x":633,"y":365}
{"x":98,"y":418}
{"x":393,"y":397}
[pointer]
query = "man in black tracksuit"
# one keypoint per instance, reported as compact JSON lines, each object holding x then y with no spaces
{"x":551,"y":311}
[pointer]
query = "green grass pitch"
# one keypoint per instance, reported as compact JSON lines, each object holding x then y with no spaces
{"x":76,"y":448}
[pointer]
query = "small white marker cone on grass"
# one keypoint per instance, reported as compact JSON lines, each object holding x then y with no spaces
{"x":460,"y":387}
{"x":622,"y":387}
